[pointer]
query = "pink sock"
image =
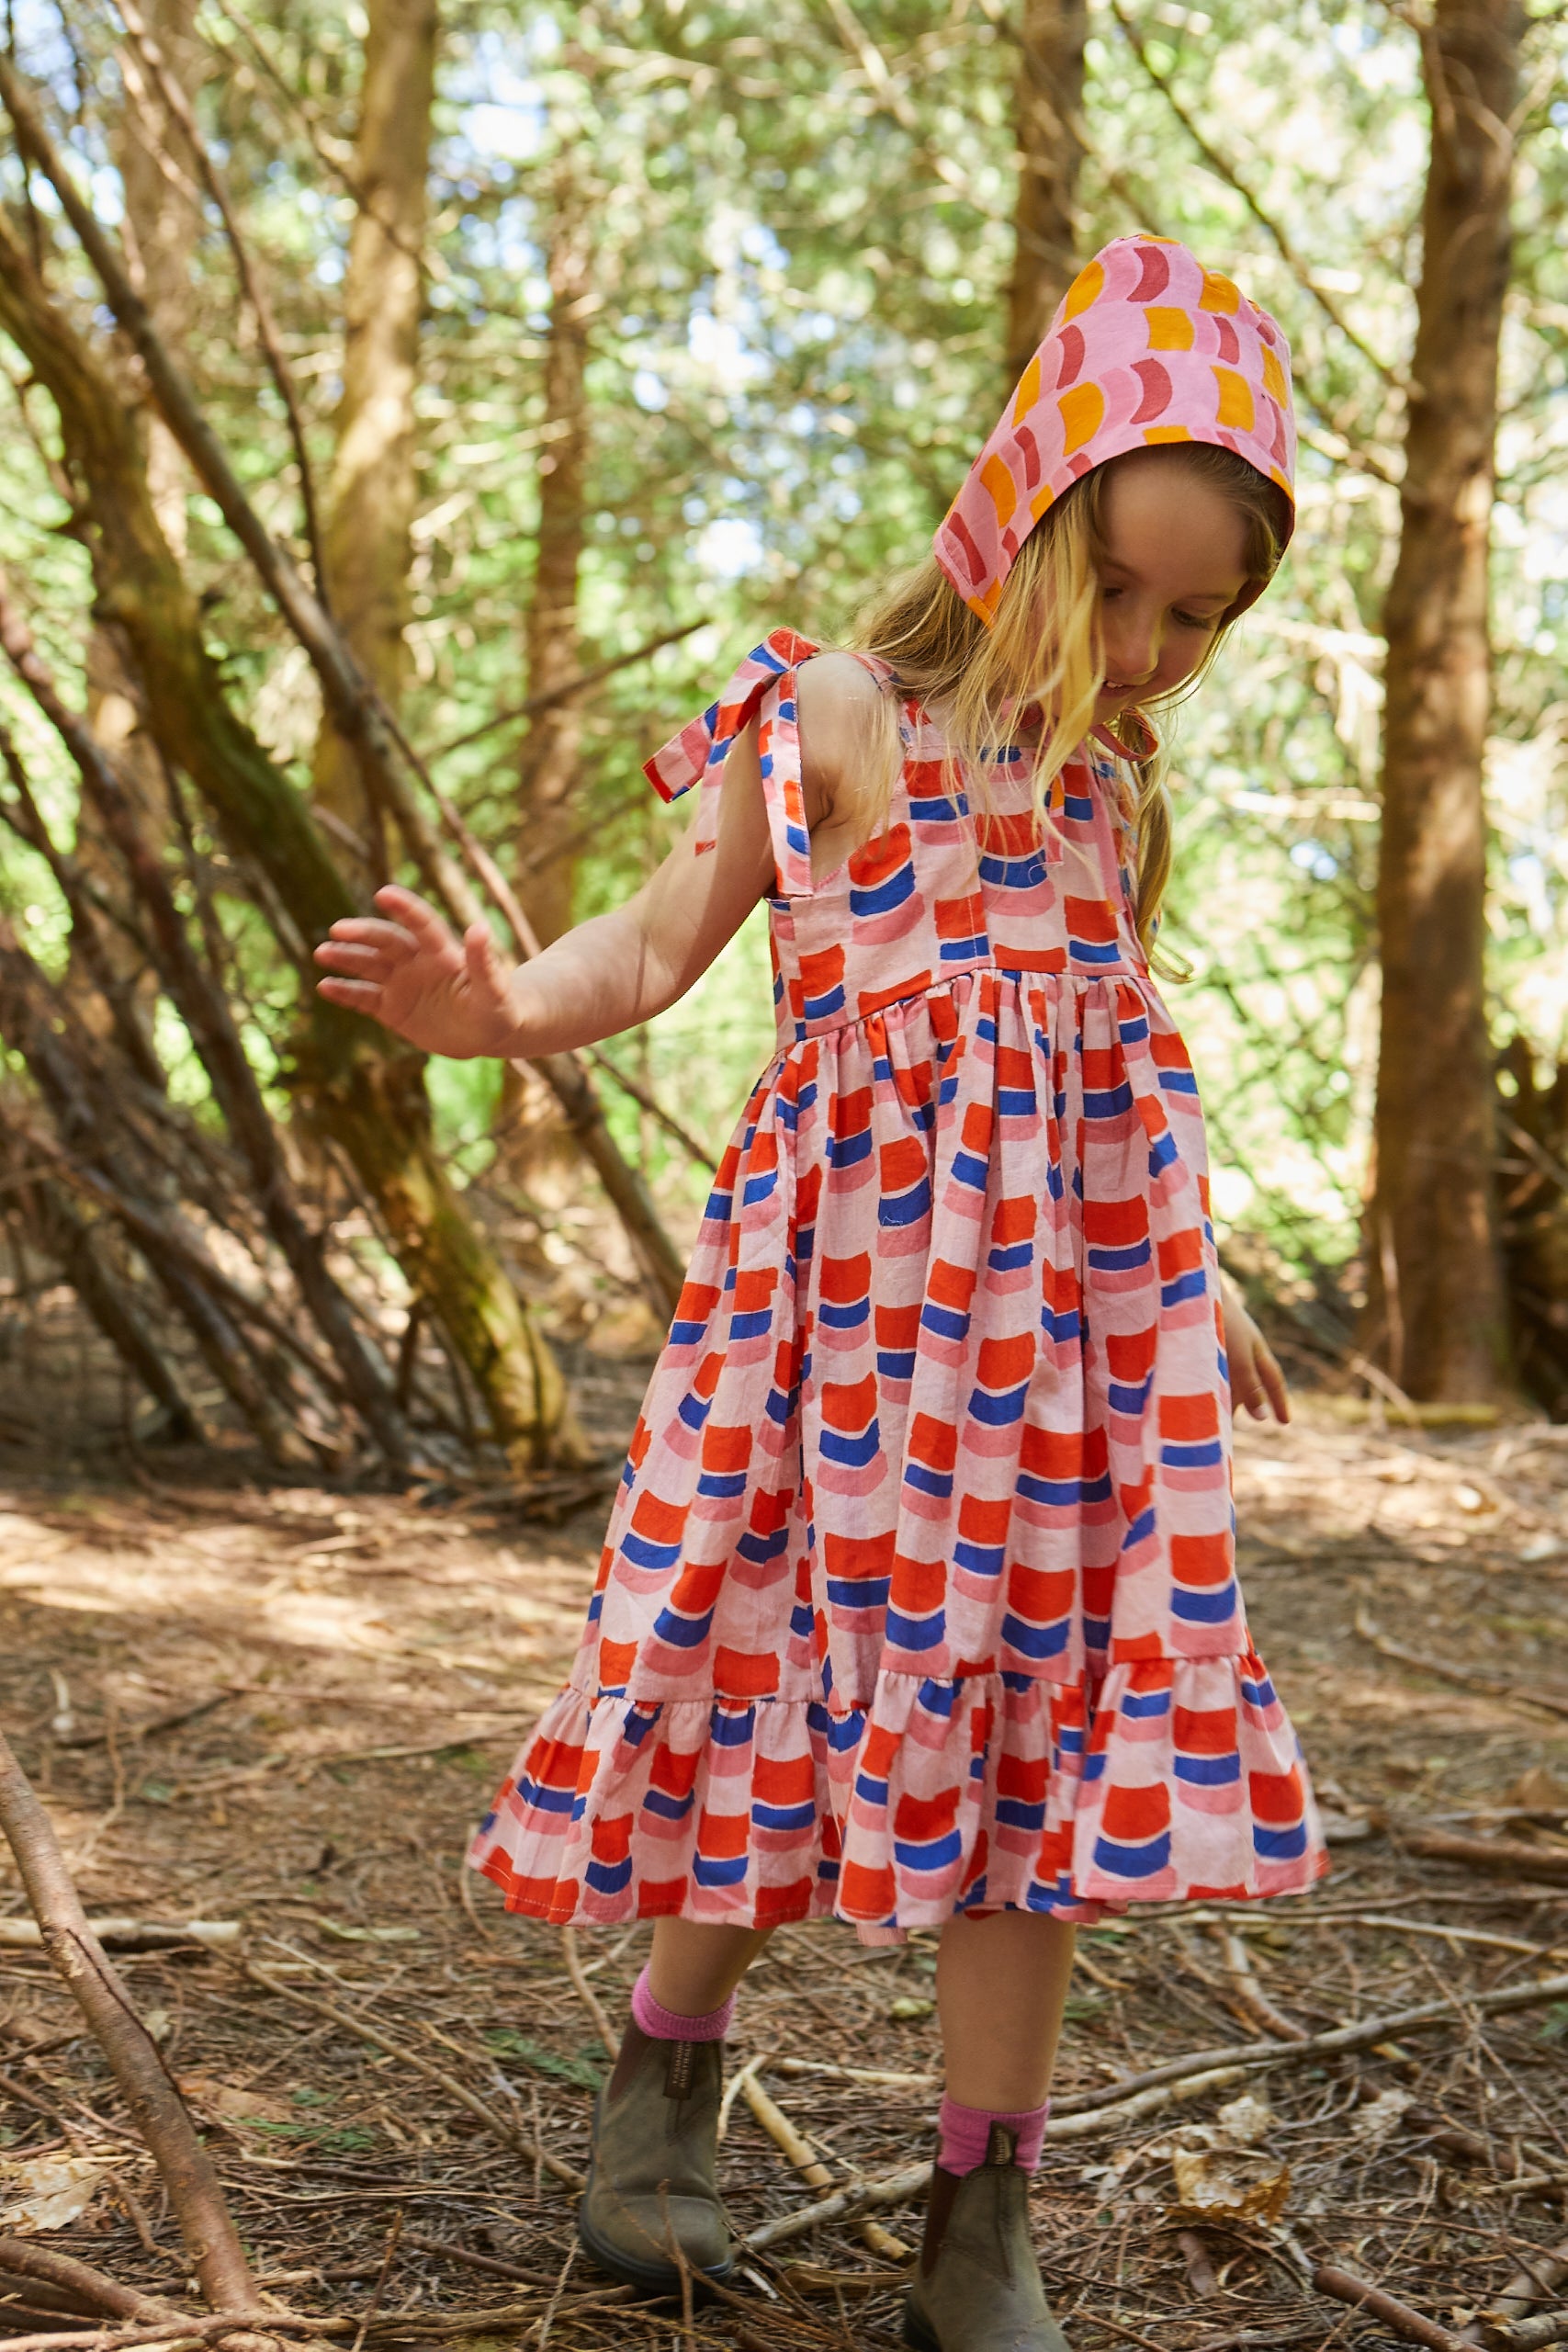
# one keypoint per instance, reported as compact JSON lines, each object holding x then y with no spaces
{"x":967,"y":2132}
{"x":663,"y":2025}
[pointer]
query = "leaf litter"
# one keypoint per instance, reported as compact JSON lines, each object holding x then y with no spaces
{"x":1431,"y":2165}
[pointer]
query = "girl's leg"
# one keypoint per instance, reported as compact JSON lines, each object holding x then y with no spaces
{"x":652,"y":2200}
{"x":1002,"y":1981}
{"x":694,"y":1967}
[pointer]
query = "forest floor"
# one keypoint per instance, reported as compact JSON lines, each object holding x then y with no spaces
{"x":285,"y":1707}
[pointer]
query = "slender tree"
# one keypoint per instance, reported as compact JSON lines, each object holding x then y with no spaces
{"x":159,"y":226}
{"x":374,"y":489}
{"x":1048,"y":116}
{"x":1436,"y":1308}
{"x":548,"y":766}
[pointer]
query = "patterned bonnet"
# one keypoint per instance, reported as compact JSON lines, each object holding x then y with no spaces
{"x":1148,"y":346}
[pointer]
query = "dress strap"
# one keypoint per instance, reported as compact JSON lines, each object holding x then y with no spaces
{"x":1137,"y":744}
{"x":763,"y":688}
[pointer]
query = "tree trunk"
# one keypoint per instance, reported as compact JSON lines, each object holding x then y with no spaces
{"x":1437,"y":1312}
{"x":1049,"y":123}
{"x":529,"y":1120}
{"x":548,"y":769}
{"x":364,"y":1093}
{"x":374,"y":490}
{"x":160,"y":226}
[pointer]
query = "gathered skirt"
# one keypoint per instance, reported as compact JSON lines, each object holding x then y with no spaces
{"x":918,"y":1594}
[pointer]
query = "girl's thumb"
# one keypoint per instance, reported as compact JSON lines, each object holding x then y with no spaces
{"x":479,"y":951}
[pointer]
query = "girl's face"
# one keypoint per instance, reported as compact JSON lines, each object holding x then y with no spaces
{"x":1174,"y":563}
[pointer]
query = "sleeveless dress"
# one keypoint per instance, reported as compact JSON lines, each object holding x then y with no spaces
{"x":919,"y":1593}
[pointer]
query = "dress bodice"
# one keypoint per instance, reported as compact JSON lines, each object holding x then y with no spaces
{"x":958,"y":879}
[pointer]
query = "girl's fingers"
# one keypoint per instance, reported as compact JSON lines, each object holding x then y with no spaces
{"x":1275,"y":1386}
{"x":359,"y":996}
{"x":347,"y":955}
{"x":414,"y":914}
{"x":366,"y":930}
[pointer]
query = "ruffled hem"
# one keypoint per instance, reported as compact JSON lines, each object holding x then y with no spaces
{"x":1160,"y":1780}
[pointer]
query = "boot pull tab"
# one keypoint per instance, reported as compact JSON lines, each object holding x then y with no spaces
{"x":1001,"y":2146}
{"x":678,"y":2070}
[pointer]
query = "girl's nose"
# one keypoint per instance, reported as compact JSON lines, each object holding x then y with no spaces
{"x":1132,"y":662}
{"x":1132,"y":652}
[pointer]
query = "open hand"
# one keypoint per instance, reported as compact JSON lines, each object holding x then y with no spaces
{"x":410,"y":970}
{"x":1257,"y":1384}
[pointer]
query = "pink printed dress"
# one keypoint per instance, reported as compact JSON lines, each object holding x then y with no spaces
{"x":918,"y":1595}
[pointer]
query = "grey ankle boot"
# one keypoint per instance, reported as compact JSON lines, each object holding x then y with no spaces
{"x":977,"y":2284}
{"x":652,"y":2177}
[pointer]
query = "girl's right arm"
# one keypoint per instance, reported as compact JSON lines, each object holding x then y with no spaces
{"x":461,"y":998}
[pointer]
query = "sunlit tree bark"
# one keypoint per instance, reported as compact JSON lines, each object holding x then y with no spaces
{"x":1437,"y":1311}
{"x":373,"y":489}
{"x":160,"y":225}
{"x":1048,"y":112}
{"x":548,"y":769}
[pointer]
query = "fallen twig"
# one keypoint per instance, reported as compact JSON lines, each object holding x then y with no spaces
{"x":173,"y":1720}
{"x":130,"y":1935}
{"x":1529,"y":2335}
{"x":1250,"y":1994}
{"x":1492,"y":1685}
{"x":1111,"y":2116}
{"x":492,"y":2265}
{"x":1364,"y":2035}
{"x":374,"y":2305}
{"x":808,"y":2164}
{"x":893,"y":2189}
{"x":23,"y":2259}
{"x":506,"y":2132}
{"x":189,"y":2330}
{"x":1347,"y":2288}
{"x":1498,"y":1857}
{"x":1529,"y":2285}
{"x":11,"y":2088}
{"x":585,"y":1993}
{"x":799,"y":2068}
{"x":156,"y":2107}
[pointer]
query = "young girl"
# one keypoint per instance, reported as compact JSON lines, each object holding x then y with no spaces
{"x":917,"y":1606}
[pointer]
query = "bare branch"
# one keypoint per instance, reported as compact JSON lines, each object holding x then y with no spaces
{"x":155,"y":2104}
{"x":1227,"y":172}
{"x":178,"y":105}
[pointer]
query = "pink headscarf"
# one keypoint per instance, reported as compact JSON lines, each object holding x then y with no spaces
{"x":1148,"y":346}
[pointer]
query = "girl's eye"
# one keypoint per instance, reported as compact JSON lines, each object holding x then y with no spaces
{"x":1195,"y":620}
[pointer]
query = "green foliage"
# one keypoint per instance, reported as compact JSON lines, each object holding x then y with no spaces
{"x":586,"y":2070}
{"x":800,"y":256}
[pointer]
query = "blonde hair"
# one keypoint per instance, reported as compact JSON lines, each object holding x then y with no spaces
{"x":1042,"y":648}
